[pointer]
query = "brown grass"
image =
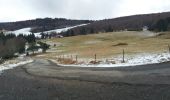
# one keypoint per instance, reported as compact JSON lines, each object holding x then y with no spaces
{"x":66,"y":61}
{"x":109,"y":44}
{"x":94,"y":62}
{"x":121,"y":44}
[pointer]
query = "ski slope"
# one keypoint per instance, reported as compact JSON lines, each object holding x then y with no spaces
{"x":26,"y":31}
{"x":62,"y":29}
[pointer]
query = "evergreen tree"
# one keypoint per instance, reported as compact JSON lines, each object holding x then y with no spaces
{"x":2,"y":38}
{"x":44,"y":46}
{"x":162,"y":25}
{"x":83,"y":31}
{"x":71,"y":33}
{"x":91,"y":30}
{"x":33,"y":47}
{"x":31,"y":38}
{"x":109,"y":29}
{"x":42,"y":35}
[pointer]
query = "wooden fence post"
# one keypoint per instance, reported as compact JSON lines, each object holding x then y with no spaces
{"x":76,"y":59}
{"x":95,"y":57}
{"x":169,"y":48}
{"x":123,"y":56}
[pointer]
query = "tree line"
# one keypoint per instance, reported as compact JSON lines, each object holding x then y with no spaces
{"x":11,"y":44}
{"x":161,"y":25}
{"x":40,"y":25}
{"x":129,"y":23}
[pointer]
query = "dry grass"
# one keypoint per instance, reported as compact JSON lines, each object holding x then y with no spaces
{"x":66,"y":61}
{"x":120,"y":44}
{"x":103,"y":44}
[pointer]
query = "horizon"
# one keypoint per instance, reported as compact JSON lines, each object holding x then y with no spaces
{"x":83,"y":19}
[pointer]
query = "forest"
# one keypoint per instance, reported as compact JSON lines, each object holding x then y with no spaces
{"x":42,"y":24}
{"x":129,"y":23}
{"x":12,"y":45}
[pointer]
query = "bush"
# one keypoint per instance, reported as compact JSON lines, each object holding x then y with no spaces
{"x":120,"y":44}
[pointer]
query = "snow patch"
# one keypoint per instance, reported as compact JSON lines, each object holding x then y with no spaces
{"x":24,"y":31}
{"x":130,"y":60}
{"x":148,"y":33}
{"x":14,"y":63}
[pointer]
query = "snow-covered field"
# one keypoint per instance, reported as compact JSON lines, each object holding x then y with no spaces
{"x":14,"y":63}
{"x":26,"y":31}
{"x":130,"y":60}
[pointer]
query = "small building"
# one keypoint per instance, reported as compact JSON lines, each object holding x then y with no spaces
{"x":145,"y":28}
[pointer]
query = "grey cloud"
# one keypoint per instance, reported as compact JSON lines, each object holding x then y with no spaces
{"x":46,"y":7}
{"x":77,"y":9}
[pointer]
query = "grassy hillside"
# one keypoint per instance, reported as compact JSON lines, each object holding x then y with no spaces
{"x":110,"y":44}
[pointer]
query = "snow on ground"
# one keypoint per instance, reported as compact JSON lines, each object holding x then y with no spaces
{"x":26,"y":31}
{"x":130,"y":60}
{"x":14,"y":63}
{"x":148,"y":33}
{"x":62,"y":29}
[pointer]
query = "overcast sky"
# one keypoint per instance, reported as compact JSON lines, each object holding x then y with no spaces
{"x":14,"y":10}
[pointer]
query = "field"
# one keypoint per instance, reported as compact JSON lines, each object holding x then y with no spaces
{"x":106,"y":45}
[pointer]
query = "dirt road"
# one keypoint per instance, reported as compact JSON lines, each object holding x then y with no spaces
{"x":44,"y":80}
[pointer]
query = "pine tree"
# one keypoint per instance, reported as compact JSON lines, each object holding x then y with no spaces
{"x":44,"y":46}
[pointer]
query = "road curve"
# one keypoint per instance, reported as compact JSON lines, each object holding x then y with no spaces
{"x":146,"y":74}
{"x":44,"y":80}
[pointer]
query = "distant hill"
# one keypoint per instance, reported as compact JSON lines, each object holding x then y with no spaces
{"x":153,"y":22}
{"x":131,"y":23}
{"x":40,"y":25}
